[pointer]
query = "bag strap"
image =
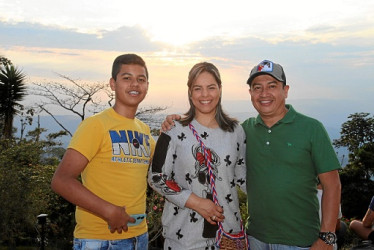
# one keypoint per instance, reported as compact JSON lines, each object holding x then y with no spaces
{"x":208,"y":163}
{"x":211,"y":177}
{"x":213,"y":186}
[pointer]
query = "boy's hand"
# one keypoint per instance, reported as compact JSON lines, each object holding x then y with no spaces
{"x":119,"y":219}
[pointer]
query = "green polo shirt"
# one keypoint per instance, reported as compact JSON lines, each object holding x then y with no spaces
{"x":282,"y":167}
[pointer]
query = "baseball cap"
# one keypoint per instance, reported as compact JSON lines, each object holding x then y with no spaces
{"x":269,"y":68}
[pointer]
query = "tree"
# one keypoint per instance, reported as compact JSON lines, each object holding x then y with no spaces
{"x":17,"y":161}
{"x":26,"y":119}
{"x":357,"y":134}
{"x":356,"y":192}
{"x":83,"y":99}
{"x":76,"y":97}
{"x":147,"y":115}
{"x":364,"y":160}
{"x":5,"y":61}
{"x":25,"y":189}
{"x":12,"y":91}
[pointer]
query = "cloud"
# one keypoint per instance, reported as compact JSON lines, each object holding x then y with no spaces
{"x":327,"y":65}
{"x":321,"y":29}
{"x":36,"y":35}
{"x":325,"y":74}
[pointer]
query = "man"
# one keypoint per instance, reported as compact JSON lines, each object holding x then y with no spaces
{"x":286,"y":152}
{"x":111,"y":151}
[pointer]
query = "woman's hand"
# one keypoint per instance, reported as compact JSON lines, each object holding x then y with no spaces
{"x":206,"y":208}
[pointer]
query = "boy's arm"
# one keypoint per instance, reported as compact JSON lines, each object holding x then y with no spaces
{"x":65,"y":183}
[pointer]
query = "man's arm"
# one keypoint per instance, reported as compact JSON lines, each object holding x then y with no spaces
{"x":329,"y":205}
{"x":169,"y":122}
{"x":330,"y":199}
{"x":65,"y":183}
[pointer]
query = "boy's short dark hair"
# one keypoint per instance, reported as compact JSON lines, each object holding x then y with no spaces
{"x":127,"y":59}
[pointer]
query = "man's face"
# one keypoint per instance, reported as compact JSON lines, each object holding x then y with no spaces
{"x":268,"y":96}
{"x":131,"y":85}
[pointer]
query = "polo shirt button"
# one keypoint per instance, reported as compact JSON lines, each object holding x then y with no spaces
{"x":269,"y":131}
{"x":267,"y":143}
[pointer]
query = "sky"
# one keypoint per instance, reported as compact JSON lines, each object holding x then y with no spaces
{"x":325,"y":47}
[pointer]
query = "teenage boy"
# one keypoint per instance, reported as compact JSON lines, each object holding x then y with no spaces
{"x":111,"y":151}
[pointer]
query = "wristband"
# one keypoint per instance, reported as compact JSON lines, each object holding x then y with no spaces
{"x":371,"y":206}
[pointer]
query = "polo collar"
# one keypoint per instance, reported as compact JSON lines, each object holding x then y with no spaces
{"x":288,"y":118}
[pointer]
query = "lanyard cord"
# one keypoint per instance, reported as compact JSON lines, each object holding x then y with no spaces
{"x":214,"y":192}
{"x":211,"y":177}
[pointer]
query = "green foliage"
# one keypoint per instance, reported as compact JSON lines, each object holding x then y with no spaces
{"x":356,"y":192}
{"x":155,"y":131}
{"x":155,"y":207}
{"x":5,"y":61}
{"x":356,"y":132}
{"x":25,"y":193}
{"x":365,"y":159}
{"x":243,"y":205}
{"x":357,"y":135}
{"x":16,"y":171}
{"x":12,"y":91}
{"x":61,"y":220}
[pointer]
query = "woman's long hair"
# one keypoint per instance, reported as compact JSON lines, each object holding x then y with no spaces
{"x":225,"y":122}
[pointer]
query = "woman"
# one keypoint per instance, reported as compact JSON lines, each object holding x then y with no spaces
{"x":179,"y":169}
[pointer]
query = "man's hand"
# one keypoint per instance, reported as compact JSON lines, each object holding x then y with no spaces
{"x":320,"y":245}
{"x":169,"y":122}
{"x":118,"y":219}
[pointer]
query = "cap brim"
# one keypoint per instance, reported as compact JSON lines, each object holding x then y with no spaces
{"x":250,"y":79}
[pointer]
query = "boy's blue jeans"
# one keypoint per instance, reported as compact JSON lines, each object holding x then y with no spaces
{"x":136,"y":243}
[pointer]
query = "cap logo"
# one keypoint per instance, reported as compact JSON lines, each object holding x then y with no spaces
{"x":265,"y":66}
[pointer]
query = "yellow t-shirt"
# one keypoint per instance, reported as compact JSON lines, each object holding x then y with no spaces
{"x":119,"y":151}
